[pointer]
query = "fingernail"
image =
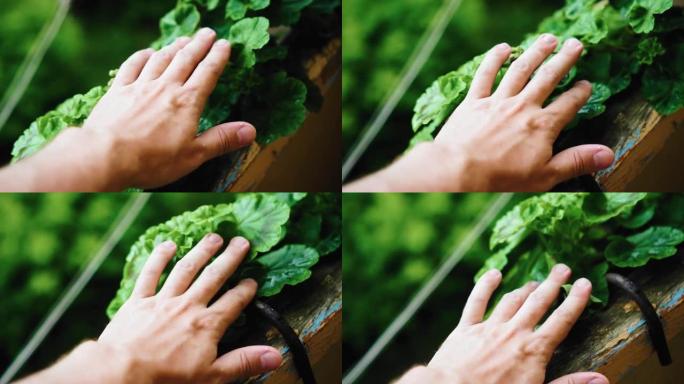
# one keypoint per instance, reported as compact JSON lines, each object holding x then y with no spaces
{"x":582,"y":283}
{"x":548,"y":38}
{"x":270,"y":360}
{"x":222,"y":43}
{"x":214,"y":238}
{"x":502,"y":47}
{"x":494,"y":273}
{"x":168,"y":244}
{"x":598,"y":380}
{"x":561,"y":269}
{"x":573,"y":43}
{"x":246,"y":135}
{"x":240,"y":242}
{"x":603,"y":159}
{"x":207,"y":31}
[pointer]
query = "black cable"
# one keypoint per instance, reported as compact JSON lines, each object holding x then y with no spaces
{"x":299,"y":355}
{"x":653,"y":323}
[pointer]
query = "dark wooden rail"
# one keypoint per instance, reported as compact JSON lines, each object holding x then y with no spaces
{"x":614,"y":341}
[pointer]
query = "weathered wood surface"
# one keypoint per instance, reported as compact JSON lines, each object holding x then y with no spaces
{"x":615,"y":341}
{"x":243,"y":170}
{"x":314,"y":310}
{"x":636,"y":133}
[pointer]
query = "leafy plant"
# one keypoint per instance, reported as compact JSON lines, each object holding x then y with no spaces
{"x":623,"y":39}
{"x":288,"y":233}
{"x":254,"y":84}
{"x":591,"y":233}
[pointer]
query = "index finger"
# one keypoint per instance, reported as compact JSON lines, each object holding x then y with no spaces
{"x":207,"y":74}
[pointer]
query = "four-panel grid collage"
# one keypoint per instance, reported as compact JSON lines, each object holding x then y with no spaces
{"x":342,"y":191}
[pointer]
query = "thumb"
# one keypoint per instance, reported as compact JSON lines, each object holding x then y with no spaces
{"x":246,"y":362}
{"x":225,"y":138}
{"x":581,"y":160}
{"x":582,"y":378}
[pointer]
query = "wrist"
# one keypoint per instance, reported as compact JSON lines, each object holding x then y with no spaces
{"x":91,"y":155}
{"x":431,"y":167}
{"x":120,"y":367}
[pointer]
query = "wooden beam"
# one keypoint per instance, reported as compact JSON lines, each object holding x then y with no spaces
{"x":615,"y":340}
{"x":314,"y":310}
{"x":243,"y":170}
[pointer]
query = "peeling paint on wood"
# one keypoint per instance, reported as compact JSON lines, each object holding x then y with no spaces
{"x":615,"y":340}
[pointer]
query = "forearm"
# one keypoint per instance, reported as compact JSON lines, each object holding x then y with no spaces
{"x":89,"y":362}
{"x":76,"y":160}
{"x":427,"y":167}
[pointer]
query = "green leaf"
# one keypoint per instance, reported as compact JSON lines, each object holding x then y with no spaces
{"x":261,"y":219}
{"x":251,"y":34}
{"x":641,"y":13}
{"x":637,"y":250}
{"x":209,"y":4}
{"x":288,"y":12}
{"x":237,"y":9}
{"x":288,"y":265}
{"x":284,"y":97}
{"x":181,"y":21}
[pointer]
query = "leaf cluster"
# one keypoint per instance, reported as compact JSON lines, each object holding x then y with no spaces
{"x":256,"y":85}
{"x":288,"y":233}
{"x":624,"y":40}
{"x":589,"y":232}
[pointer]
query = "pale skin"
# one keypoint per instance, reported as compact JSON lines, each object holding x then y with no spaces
{"x":502,"y":140}
{"x":513,"y":345}
{"x":171,"y":336}
{"x":143,"y":133}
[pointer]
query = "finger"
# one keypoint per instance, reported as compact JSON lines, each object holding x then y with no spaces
{"x":476,"y":306}
{"x":185,"y":62}
{"x":215,"y":274}
{"x":229,"y":306}
{"x":484,"y":78}
{"x":186,"y":269}
{"x":225,"y":138}
{"x":552,"y":72}
{"x":131,"y":68}
{"x":161,"y":59}
{"x":555,"y":329}
{"x":566,"y":106}
{"x":207,"y":74}
{"x":582,"y":378}
{"x":511,"y":302}
{"x":246,"y":362}
{"x":520,"y":71}
{"x":541,"y":299}
{"x":580,"y":160}
{"x":146,"y":284}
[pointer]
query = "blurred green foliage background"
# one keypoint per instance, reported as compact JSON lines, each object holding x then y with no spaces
{"x":378,"y":39}
{"x":97,"y":36}
{"x":392,"y":244}
{"x":45,"y":239}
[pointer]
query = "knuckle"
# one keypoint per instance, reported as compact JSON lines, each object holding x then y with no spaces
{"x":543,"y":121}
{"x":548,"y":73}
{"x":520,"y":66}
{"x":246,"y":365}
{"x":578,"y":164}
{"x":225,"y":140}
{"x":187,"y":266}
{"x":538,"y":346}
{"x":242,"y":298}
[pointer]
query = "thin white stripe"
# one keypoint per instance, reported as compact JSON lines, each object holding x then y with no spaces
{"x":427,"y":289}
{"x":420,"y":55}
{"x":128,"y":214}
{"x":32,"y":62}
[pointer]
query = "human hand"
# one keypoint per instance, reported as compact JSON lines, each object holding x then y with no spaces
{"x":172,"y":336}
{"x":506,"y":348}
{"x":149,"y":117}
{"x":503,"y":141}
